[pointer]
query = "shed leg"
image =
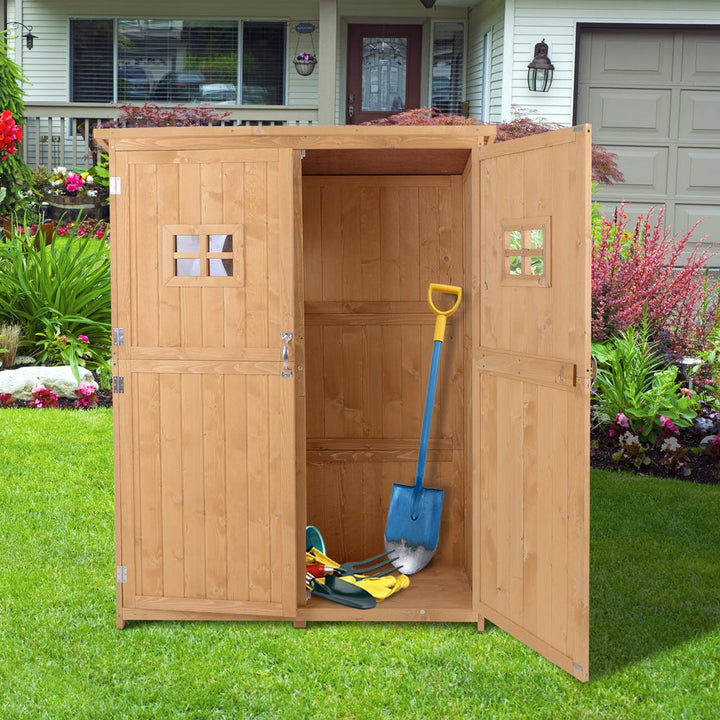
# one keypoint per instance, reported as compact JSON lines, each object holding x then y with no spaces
{"x":120,"y":622}
{"x":481,"y":624}
{"x":300,"y":624}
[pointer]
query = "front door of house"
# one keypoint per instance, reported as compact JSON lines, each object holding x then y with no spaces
{"x":383,"y":76}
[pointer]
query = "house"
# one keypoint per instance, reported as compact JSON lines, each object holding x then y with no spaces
{"x":645,"y":74}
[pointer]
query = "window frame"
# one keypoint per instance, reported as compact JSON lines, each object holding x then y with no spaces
{"x":239,"y":69}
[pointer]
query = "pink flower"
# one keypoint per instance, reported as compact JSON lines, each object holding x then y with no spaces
{"x":100,"y":233}
{"x":621,"y":419}
{"x":668,"y":425}
{"x":73,"y":182}
{"x":81,"y":231}
{"x":686,"y":392}
{"x":83,"y":338}
{"x":63,"y":338}
{"x":43,"y":397}
{"x":62,"y":230}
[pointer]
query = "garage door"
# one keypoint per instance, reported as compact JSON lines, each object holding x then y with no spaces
{"x":653,"y":97}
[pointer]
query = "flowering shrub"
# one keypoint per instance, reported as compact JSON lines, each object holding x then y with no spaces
{"x":634,"y":274}
{"x":43,"y":397}
{"x":306,"y":57}
{"x":6,"y":400}
{"x":86,"y":395}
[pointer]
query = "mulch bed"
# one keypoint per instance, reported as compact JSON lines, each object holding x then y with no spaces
{"x":702,"y":467}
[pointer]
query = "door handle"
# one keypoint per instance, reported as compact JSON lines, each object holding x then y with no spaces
{"x":351,"y":105}
{"x":286,"y":338}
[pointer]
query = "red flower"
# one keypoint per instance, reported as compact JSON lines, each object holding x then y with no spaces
{"x":10,"y":133}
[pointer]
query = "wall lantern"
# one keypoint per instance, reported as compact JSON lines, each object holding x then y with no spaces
{"x":428,"y":3}
{"x":29,"y":37}
{"x":540,"y":70}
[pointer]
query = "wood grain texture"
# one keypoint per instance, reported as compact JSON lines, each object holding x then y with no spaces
{"x":381,"y":241}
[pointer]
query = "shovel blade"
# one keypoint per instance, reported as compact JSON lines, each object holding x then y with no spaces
{"x":412,"y":533}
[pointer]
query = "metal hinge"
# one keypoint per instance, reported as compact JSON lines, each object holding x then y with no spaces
{"x":121,"y":573}
{"x":115,"y":188}
{"x":118,"y":336}
{"x":302,"y":154}
{"x":118,"y":384}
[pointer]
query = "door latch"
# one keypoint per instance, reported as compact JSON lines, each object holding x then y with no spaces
{"x":286,"y":338}
{"x":351,"y":106}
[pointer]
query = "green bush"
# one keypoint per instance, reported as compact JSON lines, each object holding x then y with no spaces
{"x":632,"y":379}
{"x":55,"y":290}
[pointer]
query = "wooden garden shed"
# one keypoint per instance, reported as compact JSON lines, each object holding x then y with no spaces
{"x":271,"y":349}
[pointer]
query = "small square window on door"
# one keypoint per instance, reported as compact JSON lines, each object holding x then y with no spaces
{"x":203,"y":255}
{"x":526,"y":252}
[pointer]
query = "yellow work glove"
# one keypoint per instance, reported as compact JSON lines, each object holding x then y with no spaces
{"x":379,"y":588}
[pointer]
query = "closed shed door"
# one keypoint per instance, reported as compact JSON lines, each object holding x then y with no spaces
{"x":653,"y":97}
{"x":205,"y":439}
{"x":531,"y":397}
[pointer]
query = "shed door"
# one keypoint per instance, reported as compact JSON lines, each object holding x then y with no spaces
{"x":204,"y":289}
{"x":530,"y":414}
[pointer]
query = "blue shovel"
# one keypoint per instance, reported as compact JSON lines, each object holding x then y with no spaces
{"x":413,"y":524}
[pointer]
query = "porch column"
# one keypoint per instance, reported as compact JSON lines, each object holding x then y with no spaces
{"x":327,"y":61}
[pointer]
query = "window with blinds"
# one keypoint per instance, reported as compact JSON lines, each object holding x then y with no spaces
{"x":448,"y":66}
{"x":178,"y":61}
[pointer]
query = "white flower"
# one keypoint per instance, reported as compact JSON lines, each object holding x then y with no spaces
{"x":92,"y":193}
{"x":671,"y":444}
{"x":629,"y":439}
{"x":55,"y":183}
{"x":58,"y":170}
{"x":89,"y":179}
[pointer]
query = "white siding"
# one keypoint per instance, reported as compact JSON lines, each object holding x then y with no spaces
{"x":47,"y":64}
{"x":486,"y":18}
{"x":555,"y":20}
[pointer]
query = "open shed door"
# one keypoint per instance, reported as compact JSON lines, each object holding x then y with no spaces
{"x":531,"y":395}
{"x":204,"y":288}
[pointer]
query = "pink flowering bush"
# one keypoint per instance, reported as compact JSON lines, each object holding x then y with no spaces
{"x":634,"y":275}
{"x":43,"y":397}
{"x":6,"y":400}
{"x":86,"y":395}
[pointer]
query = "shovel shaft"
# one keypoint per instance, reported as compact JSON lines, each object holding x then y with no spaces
{"x":427,"y":419}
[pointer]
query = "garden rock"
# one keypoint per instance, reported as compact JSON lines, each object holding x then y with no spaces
{"x":60,"y":379}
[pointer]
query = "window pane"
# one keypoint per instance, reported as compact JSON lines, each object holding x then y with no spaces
{"x":263,"y":70}
{"x":220,"y":243}
{"x":447,"y":71}
{"x":537,"y":238}
{"x":187,"y":243}
{"x":384,"y":73}
{"x":91,"y":60}
{"x":187,"y":268}
{"x":177,"y":60}
{"x":220,"y":268}
{"x":515,"y":240}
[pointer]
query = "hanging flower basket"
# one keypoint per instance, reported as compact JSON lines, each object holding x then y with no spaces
{"x":305,"y":64}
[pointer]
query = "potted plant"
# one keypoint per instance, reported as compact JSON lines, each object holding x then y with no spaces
{"x":305,"y":63}
{"x":69,"y":192}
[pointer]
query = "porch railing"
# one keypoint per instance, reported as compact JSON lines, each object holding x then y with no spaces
{"x":59,"y":133}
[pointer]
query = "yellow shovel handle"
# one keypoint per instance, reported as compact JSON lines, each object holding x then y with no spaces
{"x":441,"y":316}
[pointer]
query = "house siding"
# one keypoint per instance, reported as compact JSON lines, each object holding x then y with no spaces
{"x":487,"y":18}
{"x":555,"y":20}
{"x":47,"y":65}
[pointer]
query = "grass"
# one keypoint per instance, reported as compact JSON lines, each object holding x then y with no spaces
{"x":655,"y":616}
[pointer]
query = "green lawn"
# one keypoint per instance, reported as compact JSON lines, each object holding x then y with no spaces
{"x":655,"y":616}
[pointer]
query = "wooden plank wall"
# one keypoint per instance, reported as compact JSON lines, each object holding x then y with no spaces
{"x":372,"y":245}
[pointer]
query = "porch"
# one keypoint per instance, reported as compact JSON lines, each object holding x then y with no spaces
{"x":58,"y":133}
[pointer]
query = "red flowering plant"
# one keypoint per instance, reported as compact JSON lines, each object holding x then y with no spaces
{"x":10,"y":135}
{"x":646,"y":271}
{"x":43,"y":397}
